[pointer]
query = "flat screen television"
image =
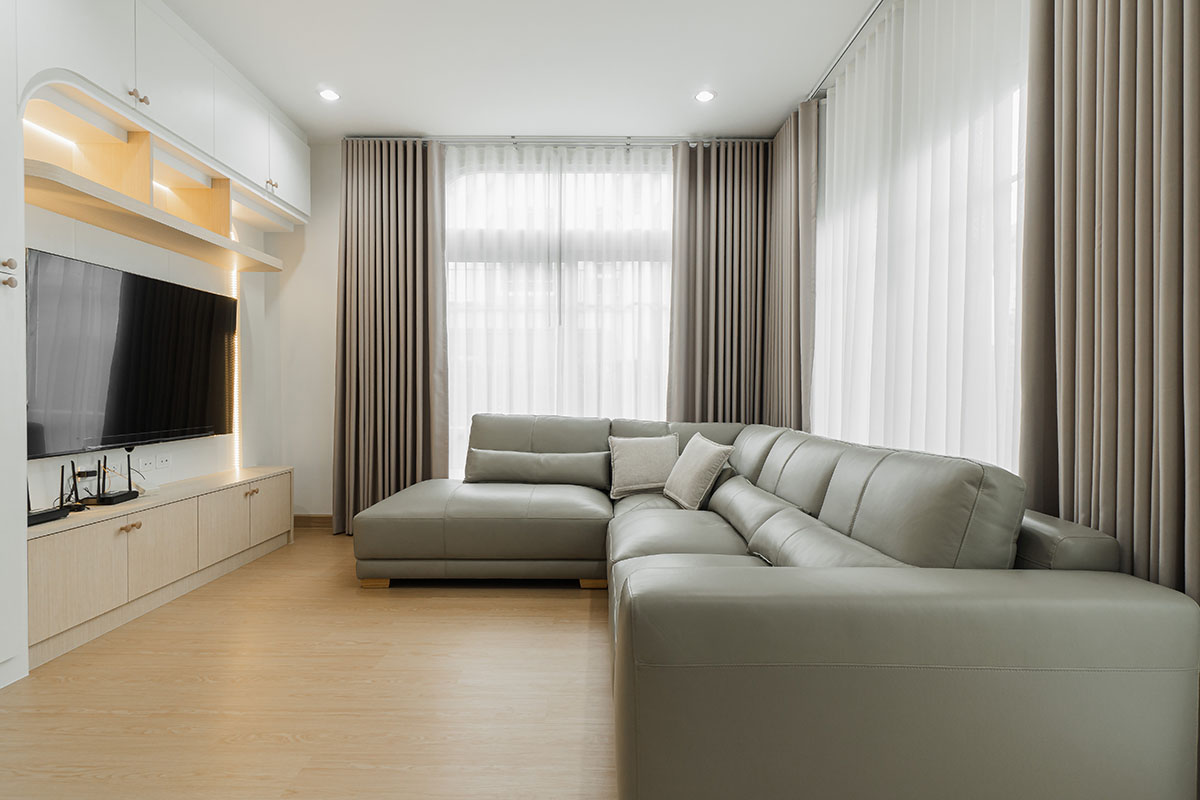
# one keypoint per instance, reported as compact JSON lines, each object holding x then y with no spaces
{"x":116,"y":359}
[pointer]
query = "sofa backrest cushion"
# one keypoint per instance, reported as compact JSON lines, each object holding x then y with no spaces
{"x":751,"y":448}
{"x":719,"y":432}
{"x":744,"y":505}
{"x":799,"y":468}
{"x":528,"y":433}
{"x":792,"y":538}
{"x":512,"y":466}
{"x":926,"y":510}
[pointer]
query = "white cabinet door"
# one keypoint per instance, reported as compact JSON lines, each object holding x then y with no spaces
{"x":13,"y":615}
{"x":289,"y":165}
{"x":242,"y":130}
{"x":93,"y":38}
{"x":176,"y":77}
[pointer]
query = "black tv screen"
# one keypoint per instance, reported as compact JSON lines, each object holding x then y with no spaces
{"x":116,"y":359}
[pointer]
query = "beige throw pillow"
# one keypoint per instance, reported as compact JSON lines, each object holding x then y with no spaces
{"x":696,"y":471}
{"x":641,"y":463}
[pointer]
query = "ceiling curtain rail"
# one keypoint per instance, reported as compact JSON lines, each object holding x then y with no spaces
{"x":822,"y":83}
{"x":578,"y":141}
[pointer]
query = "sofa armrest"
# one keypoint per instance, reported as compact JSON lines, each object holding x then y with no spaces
{"x":872,"y":682}
{"x":1047,"y":542}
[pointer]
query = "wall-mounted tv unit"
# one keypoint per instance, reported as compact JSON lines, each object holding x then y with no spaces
{"x":115,"y":359}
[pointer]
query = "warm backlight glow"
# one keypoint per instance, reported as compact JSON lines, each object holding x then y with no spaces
{"x":58,"y":137}
{"x":237,"y":378}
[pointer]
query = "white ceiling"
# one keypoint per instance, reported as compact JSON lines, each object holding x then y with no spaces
{"x":530,"y":67}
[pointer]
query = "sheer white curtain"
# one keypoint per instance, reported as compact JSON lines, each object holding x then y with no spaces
{"x":558,"y":263}
{"x":919,"y":237}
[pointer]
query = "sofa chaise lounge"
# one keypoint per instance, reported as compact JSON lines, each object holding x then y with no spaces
{"x":840,"y":621}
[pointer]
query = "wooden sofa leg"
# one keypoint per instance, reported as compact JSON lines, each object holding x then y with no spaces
{"x":375,"y":583}
{"x":593,"y":583}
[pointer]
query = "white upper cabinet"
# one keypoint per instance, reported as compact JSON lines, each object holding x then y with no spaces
{"x":211,"y":113}
{"x":242,"y":131}
{"x":175,"y":77}
{"x":289,"y":166}
{"x":94,"y":39}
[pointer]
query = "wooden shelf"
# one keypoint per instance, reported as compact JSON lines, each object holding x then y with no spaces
{"x":63,"y":192}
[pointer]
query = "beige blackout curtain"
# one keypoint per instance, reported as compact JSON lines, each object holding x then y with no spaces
{"x":390,"y":429}
{"x":790,"y":279}
{"x":1111,"y":296}
{"x":742,"y":273}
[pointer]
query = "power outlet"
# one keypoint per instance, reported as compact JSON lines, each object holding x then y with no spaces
{"x":164,"y":460}
{"x":146,"y":463}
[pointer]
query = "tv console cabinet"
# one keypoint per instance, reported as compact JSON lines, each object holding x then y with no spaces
{"x":100,"y":568}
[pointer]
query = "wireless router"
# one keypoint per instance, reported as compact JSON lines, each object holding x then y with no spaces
{"x":107,"y":498}
{"x":38,"y":516}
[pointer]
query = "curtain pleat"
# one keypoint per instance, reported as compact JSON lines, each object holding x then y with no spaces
{"x":1111,"y":377}
{"x":788,"y":279}
{"x":390,"y":408}
{"x":719,"y":255}
{"x":918,"y":263}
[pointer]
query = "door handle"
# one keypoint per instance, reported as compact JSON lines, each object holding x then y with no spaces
{"x":10,"y":282}
{"x":9,"y":263}
{"x":141,"y":98}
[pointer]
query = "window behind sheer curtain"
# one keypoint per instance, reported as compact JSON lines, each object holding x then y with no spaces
{"x":919,"y":237}
{"x":558,"y":265}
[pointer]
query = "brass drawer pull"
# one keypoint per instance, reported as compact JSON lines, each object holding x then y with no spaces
{"x":9,"y":263}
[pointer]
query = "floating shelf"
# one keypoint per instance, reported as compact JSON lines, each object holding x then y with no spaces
{"x":64,"y":192}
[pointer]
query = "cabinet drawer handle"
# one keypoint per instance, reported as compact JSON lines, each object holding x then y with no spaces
{"x":272,"y":184}
{"x":9,"y":263}
{"x":254,"y":490}
{"x":125,"y":528}
{"x":10,"y":282}
{"x":137,"y":526}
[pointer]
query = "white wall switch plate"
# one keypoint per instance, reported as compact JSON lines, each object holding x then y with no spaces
{"x":164,"y":460}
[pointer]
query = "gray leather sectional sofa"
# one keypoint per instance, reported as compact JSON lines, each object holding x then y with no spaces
{"x":842,"y":621}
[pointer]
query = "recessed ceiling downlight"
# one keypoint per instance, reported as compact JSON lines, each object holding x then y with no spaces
{"x":705,"y":96}
{"x":329,"y":94}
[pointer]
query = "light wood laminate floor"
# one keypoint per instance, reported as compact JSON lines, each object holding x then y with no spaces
{"x":284,"y":679}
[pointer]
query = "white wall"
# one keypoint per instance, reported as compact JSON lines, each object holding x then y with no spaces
{"x":259,"y":342}
{"x":307,"y":313}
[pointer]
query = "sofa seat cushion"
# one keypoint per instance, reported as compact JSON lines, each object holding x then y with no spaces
{"x":441,"y":519}
{"x":646,"y":500}
{"x":406,"y":525}
{"x":655,"y":531}
{"x":519,"y":520}
{"x":621,"y":571}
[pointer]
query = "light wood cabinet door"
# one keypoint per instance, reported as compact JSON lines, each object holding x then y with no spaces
{"x":76,"y":575}
{"x":242,"y":130}
{"x":176,"y":77}
{"x":270,"y":508}
{"x":93,"y":38}
{"x":224,"y":520}
{"x":290,"y":166}
{"x":163,"y":546}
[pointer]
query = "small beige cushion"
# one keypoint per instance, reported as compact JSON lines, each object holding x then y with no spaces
{"x":696,"y":471}
{"x":641,"y":463}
